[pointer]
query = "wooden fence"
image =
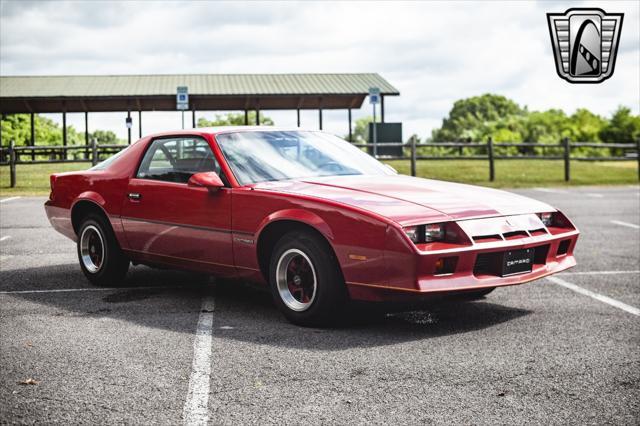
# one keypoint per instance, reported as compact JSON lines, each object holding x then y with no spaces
{"x":94,"y":153}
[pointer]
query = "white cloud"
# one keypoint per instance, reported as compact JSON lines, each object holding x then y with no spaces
{"x":433,"y":52}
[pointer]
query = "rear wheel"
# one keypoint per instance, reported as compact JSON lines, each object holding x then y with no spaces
{"x":305,"y":279}
{"x":101,"y":259}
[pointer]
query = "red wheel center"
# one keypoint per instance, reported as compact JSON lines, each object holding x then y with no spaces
{"x":300,"y":279}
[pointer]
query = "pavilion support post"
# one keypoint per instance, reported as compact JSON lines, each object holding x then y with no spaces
{"x":33,"y":135}
{"x":64,"y":134}
{"x":86,"y":134}
{"x":139,"y":124}
{"x":128,"y":127}
{"x":298,"y":111}
{"x":246,"y":117}
{"x":350,"y":128}
{"x":193,"y":118}
{"x":257,"y":116}
{"x":320,"y":115}
{"x":382,"y":108}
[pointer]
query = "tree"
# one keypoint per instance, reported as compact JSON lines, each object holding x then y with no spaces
{"x":623,"y":127}
{"x":105,"y":137}
{"x":17,"y":127}
{"x":361,"y":130}
{"x":233,"y":119}
{"x":469,"y":118}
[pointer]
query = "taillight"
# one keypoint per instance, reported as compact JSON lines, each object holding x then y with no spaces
{"x":52,"y":183}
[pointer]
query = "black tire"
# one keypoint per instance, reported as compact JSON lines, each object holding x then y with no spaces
{"x":326,"y":306}
{"x":113,"y":265}
{"x":475,"y":295}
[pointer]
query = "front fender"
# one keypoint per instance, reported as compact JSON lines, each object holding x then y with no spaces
{"x":298,"y":215}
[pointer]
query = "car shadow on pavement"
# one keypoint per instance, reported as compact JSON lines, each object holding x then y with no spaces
{"x":171,"y":300}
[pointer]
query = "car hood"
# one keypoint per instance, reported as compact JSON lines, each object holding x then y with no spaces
{"x":408,"y":200}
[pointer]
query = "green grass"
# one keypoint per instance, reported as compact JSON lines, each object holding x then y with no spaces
{"x":524,"y":173}
{"x":34,"y":179}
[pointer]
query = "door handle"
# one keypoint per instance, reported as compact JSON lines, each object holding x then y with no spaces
{"x":134,"y":196}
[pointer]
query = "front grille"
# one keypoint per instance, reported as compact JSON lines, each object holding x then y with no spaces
{"x":563,"y":247}
{"x":515,"y":235}
{"x":491,"y":263}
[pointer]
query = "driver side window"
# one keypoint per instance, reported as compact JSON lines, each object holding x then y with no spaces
{"x":177,"y":159}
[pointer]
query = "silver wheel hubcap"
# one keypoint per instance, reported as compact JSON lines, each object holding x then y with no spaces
{"x":296,"y":280}
{"x":92,"y":249}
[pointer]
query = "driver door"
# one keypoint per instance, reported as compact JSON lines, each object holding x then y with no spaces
{"x":167,"y":221}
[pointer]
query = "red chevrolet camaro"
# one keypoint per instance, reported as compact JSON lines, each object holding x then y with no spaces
{"x":305,"y":212}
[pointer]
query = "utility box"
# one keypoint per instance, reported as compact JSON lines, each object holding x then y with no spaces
{"x":386,"y":133}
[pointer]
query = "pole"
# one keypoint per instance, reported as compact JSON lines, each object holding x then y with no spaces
{"x":257,"y":117}
{"x":638,"y":155}
{"x":413,"y":155}
{"x":375,"y":133}
{"x":320,"y":117}
{"x":382,"y":108}
{"x":64,"y":134}
{"x":298,"y":112}
{"x":33,"y":136}
{"x":350,"y":129}
{"x":492,"y":170}
{"x":246,"y":117}
{"x":567,"y":153}
{"x":139,"y":124}
{"x":12,"y":162}
{"x":86,"y":134}
{"x":193,"y":118}
{"x":182,"y":119}
{"x":94,"y":152}
{"x":128,"y":127}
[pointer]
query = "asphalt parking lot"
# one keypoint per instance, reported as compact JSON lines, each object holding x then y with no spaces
{"x":552,"y":351}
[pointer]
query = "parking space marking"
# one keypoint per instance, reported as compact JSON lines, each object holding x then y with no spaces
{"x":4,"y":200}
{"x":593,"y":195}
{"x":68,"y":290}
{"x":627,"y":224}
{"x":550,"y":190}
{"x":196,"y":410}
{"x":597,"y":296}
{"x":5,"y":238}
{"x":601,"y":272}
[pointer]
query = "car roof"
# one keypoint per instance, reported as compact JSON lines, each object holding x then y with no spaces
{"x":231,"y":129}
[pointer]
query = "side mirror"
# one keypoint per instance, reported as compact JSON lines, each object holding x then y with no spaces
{"x":209,"y":180}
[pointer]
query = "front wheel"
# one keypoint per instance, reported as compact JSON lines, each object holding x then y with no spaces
{"x":305,"y":279}
{"x":101,"y":259}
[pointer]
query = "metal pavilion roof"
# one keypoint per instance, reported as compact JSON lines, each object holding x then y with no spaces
{"x":206,"y":92}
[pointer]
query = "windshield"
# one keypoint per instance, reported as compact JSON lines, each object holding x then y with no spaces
{"x":278,"y":155}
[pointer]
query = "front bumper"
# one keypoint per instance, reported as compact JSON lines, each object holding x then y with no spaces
{"x":417,"y":274}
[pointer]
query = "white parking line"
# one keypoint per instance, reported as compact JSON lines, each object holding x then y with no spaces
{"x":4,"y":200}
{"x":592,"y":195}
{"x":68,"y":290}
{"x":5,"y":238}
{"x":597,"y":296}
{"x":600,"y":272}
{"x":551,"y":191}
{"x":196,"y":411}
{"x":627,"y":224}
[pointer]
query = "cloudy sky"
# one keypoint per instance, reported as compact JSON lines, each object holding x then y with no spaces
{"x":433,"y":52}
